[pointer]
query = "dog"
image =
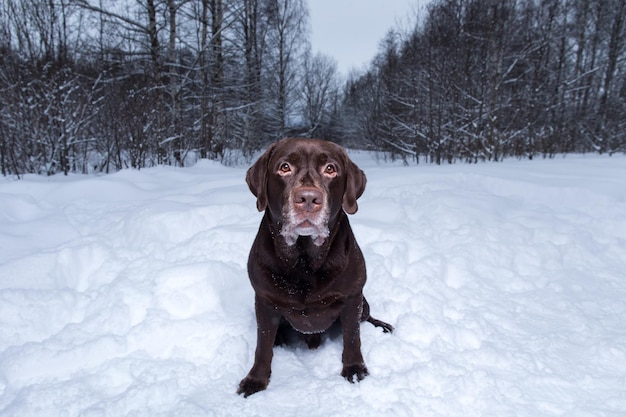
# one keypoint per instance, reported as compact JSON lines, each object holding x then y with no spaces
{"x":305,"y":266}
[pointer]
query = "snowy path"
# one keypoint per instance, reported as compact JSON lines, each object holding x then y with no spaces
{"x":127,"y":295}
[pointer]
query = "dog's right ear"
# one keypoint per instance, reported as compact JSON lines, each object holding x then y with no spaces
{"x":256,"y":177}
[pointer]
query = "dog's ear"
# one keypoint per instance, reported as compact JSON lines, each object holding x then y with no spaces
{"x":355,"y":185}
{"x":256,"y":177}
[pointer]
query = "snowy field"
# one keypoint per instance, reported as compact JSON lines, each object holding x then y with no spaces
{"x":127,"y":295}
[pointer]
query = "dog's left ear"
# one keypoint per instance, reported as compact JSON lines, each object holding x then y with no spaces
{"x":256,"y":177}
{"x":355,"y":185}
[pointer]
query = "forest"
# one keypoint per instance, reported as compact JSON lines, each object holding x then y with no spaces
{"x":91,"y":86}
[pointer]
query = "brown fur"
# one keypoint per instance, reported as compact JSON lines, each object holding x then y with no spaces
{"x":305,"y":265}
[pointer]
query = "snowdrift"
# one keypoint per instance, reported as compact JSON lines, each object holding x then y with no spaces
{"x":127,"y":295}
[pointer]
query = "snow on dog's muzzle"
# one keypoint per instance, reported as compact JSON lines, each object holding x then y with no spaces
{"x":306,"y":214}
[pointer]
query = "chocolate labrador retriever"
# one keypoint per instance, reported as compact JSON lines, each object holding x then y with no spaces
{"x":305,"y":266}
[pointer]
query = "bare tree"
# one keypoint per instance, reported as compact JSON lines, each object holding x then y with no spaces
{"x":320,"y":92}
{"x":287,"y":20}
{"x":609,"y":140}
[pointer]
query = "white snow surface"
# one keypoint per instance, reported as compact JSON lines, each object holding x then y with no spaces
{"x":127,"y":295}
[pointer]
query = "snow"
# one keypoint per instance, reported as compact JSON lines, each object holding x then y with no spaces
{"x":127,"y":294}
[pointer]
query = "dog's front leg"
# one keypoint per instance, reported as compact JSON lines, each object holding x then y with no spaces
{"x":353,"y":363}
{"x":267,"y":325}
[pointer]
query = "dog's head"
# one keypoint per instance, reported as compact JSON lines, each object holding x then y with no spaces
{"x":303,"y":184}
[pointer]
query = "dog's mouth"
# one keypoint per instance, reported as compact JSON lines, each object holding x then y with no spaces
{"x":310,"y":226}
{"x":307,"y":228}
{"x":305,"y":225}
{"x":302,"y":223}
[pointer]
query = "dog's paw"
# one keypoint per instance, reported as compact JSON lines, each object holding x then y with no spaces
{"x":358,"y":371}
{"x":249,"y":386}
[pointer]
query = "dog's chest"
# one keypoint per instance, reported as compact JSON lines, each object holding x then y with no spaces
{"x":307,"y":300}
{"x":300,"y":283}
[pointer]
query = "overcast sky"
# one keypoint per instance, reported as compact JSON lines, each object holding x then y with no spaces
{"x":351,"y":30}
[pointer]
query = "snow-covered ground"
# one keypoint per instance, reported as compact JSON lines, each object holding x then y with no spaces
{"x":127,"y":295}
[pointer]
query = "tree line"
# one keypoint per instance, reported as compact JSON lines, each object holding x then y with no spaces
{"x":488,"y":79}
{"x":101,"y":85}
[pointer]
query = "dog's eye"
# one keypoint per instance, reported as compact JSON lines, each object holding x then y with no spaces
{"x":284,"y":168}
{"x":330,"y":169}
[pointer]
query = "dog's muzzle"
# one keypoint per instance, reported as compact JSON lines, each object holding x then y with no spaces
{"x":306,"y":215}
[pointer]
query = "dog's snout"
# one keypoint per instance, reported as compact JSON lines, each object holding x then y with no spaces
{"x":308,"y":199}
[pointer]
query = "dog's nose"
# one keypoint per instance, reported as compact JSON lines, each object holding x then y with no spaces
{"x":308,"y":199}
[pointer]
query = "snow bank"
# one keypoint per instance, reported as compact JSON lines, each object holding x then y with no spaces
{"x":127,"y":295}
